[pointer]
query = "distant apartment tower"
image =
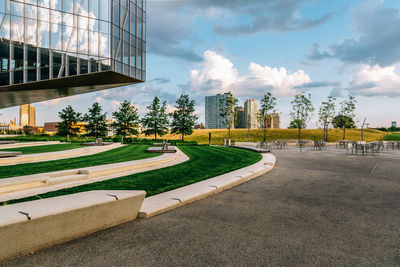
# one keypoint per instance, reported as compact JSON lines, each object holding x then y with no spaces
{"x":27,"y":116}
{"x":213,"y":118}
{"x":240,"y":118}
{"x":273,"y":121}
{"x":250,"y":114}
{"x":394,"y":124}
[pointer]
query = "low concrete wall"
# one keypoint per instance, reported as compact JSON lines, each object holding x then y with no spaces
{"x":163,"y":202}
{"x":29,"y":226}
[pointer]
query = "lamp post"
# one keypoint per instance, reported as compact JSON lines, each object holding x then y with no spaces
{"x":362,"y":130}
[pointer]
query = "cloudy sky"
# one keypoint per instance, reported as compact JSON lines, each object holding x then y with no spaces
{"x":205,"y":47}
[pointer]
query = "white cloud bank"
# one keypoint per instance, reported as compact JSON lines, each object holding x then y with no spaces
{"x":219,"y":75}
{"x":375,"y":81}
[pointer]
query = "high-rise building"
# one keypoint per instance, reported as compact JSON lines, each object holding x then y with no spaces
{"x":273,"y":121}
{"x":56,"y":48}
{"x":27,"y":115}
{"x":213,"y":117}
{"x":240,"y":118}
{"x":394,"y":124}
{"x":250,"y":114}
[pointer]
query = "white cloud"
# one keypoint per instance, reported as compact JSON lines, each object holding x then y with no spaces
{"x":218,"y":75}
{"x":376,"y":81}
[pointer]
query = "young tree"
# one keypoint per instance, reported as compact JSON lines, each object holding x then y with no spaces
{"x":183,"y":117}
{"x":156,"y":120}
{"x":69,"y":118}
{"x":228,"y":111}
{"x":345,"y":118}
{"x":301,"y":112}
{"x":326,"y":114}
{"x":96,"y":125}
{"x":268,"y":102}
{"x":126,"y":120}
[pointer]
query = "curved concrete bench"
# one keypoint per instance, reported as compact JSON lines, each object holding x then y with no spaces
{"x":29,"y":226}
{"x":163,"y":202}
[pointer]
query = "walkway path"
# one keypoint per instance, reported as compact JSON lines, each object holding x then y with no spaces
{"x":322,"y":209}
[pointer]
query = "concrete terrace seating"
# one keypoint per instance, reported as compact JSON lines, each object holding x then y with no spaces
{"x":29,"y":226}
{"x":7,"y":142}
{"x":8,"y":154}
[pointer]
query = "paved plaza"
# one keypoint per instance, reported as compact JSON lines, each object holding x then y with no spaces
{"x":322,"y":208}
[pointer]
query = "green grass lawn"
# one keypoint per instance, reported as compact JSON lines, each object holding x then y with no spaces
{"x":205,"y":162}
{"x":392,"y":137}
{"x":43,"y":149}
{"x":125,"y":153}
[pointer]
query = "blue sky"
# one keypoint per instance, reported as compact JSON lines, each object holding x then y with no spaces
{"x":203,"y":47}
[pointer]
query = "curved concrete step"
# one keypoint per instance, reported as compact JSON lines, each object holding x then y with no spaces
{"x":30,"y":185}
{"x":67,"y":178}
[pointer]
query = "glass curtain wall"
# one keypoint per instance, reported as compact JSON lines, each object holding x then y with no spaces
{"x":50,"y":39}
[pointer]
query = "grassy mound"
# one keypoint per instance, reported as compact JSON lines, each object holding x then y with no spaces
{"x":392,"y":137}
{"x":121,"y":154}
{"x":205,"y":162}
{"x":43,"y":149}
{"x":241,"y":135}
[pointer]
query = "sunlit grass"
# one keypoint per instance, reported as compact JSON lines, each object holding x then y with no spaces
{"x":241,"y":135}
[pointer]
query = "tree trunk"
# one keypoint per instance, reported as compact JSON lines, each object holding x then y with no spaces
{"x":122,"y":140}
{"x":229,"y":132}
{"x":344,"y":133}
{"x":155,"y":135}
{"x":299,"y":136}
{"x":326,"y":134}
{"x":183,"y":136}
{"x":265,"y":132}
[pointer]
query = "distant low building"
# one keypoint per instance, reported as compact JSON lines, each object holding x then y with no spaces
{"x":199,"y":126}
{"x":4,"y":127}
{"x":273,"y":121}
{"x":51,"y":127}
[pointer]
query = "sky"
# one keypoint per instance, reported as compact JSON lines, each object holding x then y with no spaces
{"x":205,"y":47}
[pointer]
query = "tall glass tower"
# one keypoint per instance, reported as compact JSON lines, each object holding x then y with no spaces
{"x":56,"y":48}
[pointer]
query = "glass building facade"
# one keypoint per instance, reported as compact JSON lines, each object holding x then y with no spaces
{"x":55,"y":48}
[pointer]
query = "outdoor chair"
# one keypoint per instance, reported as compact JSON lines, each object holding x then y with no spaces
{"x":374,"y":148}
{"x":349,"y":146}
{"x":359,"y":147}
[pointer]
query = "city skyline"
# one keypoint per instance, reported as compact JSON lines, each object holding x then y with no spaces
{"x":323,"y":48}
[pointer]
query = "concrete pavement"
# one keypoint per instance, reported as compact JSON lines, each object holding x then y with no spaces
{"x":314,"y":208}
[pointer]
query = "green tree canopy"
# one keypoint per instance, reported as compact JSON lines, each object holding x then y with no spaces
{"x":96,"y":125}
{"x":268,"y":102}
{"x":69,"y":117}
{"x":183,"y":118}
{"x":345,"y":118}
{"x":301,"y":112}
{"x":156,"y":120}
{"x":126,"y":120}
{"x":343,"y":122}
{"x":228,"y":111}
{"x":326,"y":114}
